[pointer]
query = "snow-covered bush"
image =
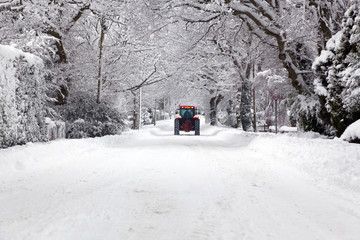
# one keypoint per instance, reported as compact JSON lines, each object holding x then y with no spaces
{"x":227,"y":114}
{"x":22,"y":97}
{"x":78,"y":129}
{"x":147,"y":116}
{"x":222,"y":117}
{"x":228,"y":119}
{"x":304,"y":114}
{"x":86,"y":118}
{"x":352,"y":133}
{"x":338,"y":74}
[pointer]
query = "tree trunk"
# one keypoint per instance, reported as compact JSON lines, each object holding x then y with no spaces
{"x":245,"y":104}
{"x":164,"y":107}
{"x":140,"y":105}
{"x":324,"y":13}
{"x":238,"y":101}
{"x":155,"y":114}
{"x":214,"y":102}
{"x":212,"y":114}
{"x":135,"y":111}
{"x":254,"y":109}
{"x":101,"y":42}
{"x":59,"y":45}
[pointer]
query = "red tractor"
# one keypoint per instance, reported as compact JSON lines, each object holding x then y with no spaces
{"x":187,"y":120}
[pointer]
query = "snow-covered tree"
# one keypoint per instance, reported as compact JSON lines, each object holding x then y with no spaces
{"x":269,"y":83}
{"x":287,"y":26}
{"x":338,"y":71}
{"x":266,"y":19}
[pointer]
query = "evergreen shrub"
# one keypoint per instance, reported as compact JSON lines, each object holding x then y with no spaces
{"x":86,"y":118}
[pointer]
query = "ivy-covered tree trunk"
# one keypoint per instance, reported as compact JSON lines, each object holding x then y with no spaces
{"x":245,"y":103}
{"x":214,"y":102}
{"x":212,"y":114}
{"x":238,"y":101}
{"x":231,"y":112}
{"x":135,"y":110}
{"x":254,"y":109}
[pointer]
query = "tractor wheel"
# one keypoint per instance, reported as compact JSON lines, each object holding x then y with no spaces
{"x":176,"y":127}
{"x":197,"y":126}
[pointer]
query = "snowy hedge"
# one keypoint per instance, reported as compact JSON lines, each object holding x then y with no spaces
{"x":22,"y":97}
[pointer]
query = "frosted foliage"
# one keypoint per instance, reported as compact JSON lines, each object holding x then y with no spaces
{"x":319,"y":89}
{"x":324,"y":57}
{"x":334,"y":41}
{"x":303,"y":110}
{"x":351,"y":80}
{"x":350,"y":76}
{"x":22,"y":97}
{"x":338,"y":71}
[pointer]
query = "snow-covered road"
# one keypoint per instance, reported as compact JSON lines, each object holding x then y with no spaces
{"x":150,"y":184}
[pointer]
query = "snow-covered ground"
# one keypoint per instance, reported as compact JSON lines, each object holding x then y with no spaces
{"x":150,"y":184}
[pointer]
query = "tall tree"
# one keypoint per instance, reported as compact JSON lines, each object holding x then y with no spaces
{"x":328,"y":15}
{"x":265,"y":19}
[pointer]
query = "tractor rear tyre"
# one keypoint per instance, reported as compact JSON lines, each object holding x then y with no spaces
{"x":176,"y":127}
{"x":197,"y":126}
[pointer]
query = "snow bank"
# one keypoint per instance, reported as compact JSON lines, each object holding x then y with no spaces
{"x":283,"y":129}
{"x":352,"y":132}
{"x":287,"y":129}
{"x":334,"y":165}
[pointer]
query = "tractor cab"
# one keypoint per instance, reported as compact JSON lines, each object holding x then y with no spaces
{"x":186,"y":112}
{"x":187,"y":120}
